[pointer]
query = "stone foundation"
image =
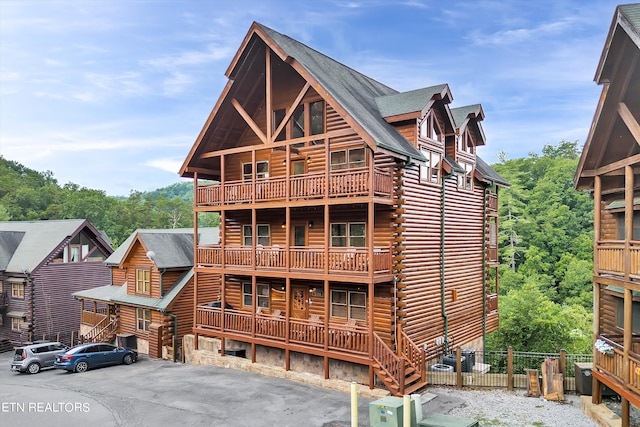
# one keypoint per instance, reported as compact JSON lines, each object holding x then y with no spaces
{"x":305,"y":368}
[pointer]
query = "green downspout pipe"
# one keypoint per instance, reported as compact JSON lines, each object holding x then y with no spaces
{"x":443,"y":307}
{"x":484,"y":271}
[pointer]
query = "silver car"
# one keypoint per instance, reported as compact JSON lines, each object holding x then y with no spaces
{"x":31,"y":358}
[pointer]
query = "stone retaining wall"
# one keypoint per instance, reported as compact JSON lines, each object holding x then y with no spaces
{"x":304,"y":368}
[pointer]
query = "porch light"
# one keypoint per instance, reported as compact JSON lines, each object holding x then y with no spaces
{"x":310,"y":224}
{"x":283,"y":224}
{"x":308,"y":159}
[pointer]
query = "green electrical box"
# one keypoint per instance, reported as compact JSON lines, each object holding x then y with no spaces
{"x":389,"y":412}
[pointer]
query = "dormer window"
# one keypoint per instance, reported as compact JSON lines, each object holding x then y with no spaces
{"x":429,"y":127}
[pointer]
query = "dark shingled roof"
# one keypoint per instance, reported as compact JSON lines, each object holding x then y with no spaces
{"x":631,"y":13}
{"x":355,"y":92}
{"x":407,"y":102}
{"x":460,"y":114}
{"x":489,"y":173}
{"x":172,"y":248}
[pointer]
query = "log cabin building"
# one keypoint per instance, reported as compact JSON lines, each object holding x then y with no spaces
{"x":148,"y":304}
{"x":41,"y":264}
{"x":610,"y":168}
{"x":358,"y":230}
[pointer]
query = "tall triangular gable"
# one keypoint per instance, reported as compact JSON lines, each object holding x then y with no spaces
{"x":352,"y":94}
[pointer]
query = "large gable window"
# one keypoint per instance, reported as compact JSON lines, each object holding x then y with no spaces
{"x":429,"y":127}
{"x":307,"y":119}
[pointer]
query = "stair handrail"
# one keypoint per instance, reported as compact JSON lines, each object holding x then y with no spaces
{"x":101,"y":329}
{"x":389,"y":362}
{"x":414,"y":354}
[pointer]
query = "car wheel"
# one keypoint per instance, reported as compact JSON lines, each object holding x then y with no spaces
{"x":128,"y":359}
{"x":33,"y":368}
{"x":82,"y":366}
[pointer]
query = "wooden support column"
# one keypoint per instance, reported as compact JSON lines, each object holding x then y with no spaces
{"x":223,"y":285}
{"x":222,"y":181}
{"x":195,"y":256}
{"x":254,"y":299}
{"x":628,"y":297}
{"x":597,"y":218}
{"x":327,"y":312}
{"x":287,"y":314}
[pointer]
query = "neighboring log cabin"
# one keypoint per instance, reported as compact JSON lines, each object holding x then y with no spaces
{"x":610,"y":168}
{"x":358,"y":228}
{"x":41,"y":264}
{"x":149,"y":303}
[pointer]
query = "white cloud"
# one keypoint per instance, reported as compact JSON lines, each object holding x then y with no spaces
{"x":166,"y":164}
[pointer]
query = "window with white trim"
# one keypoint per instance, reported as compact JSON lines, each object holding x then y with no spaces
{"x":465,"y":179}
{"x":349,"y":304}
{"x":430,"y":171}
{"x":16,"y":324}
{"x":143,"y":281}
{"x":17,"y":290}
{"x":263,"y":235}
{"x":143,"y":319}
{"x":348,"y":234}
{"x":262,"y":289}
{"x":262,"y":170}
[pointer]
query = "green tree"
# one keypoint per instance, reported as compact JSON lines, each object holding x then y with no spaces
{"x":530,"y":321}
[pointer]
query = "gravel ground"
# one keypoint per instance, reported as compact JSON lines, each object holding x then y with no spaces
{"x":504,"y":408}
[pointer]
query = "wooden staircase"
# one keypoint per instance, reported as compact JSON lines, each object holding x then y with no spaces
{"x":104,"y":331}
{"x":400,"y":374}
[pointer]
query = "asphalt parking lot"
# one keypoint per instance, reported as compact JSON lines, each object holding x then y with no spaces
{"x":162,"y":393}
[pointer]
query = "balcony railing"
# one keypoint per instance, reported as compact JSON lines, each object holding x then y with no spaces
{"x":611,"y":258}
{"x":613,"y":364}
{"x":93,"y":317}
{"x":492,"y":202}
{"x":341,"y":183}
{"x":340,"y":260}
{"x":354,"y":339}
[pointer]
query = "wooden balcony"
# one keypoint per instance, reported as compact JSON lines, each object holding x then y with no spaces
{"x":342,"y":183}
{"x":614,"y":364}
{"x":312,"y":259}
{"x":492,"y":202}
{"x":336,"y":337}
{"x":611,"y":258}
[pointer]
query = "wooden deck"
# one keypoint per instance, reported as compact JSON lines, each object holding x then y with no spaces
{"x":313,"y":259}
{"x":242,"y":324}
{"x":625,"y":371}
{"x":343,"y":183}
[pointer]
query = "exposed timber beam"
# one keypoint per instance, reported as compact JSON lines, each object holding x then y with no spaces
{"x":630,"y":121}
{"x":247,"y":118}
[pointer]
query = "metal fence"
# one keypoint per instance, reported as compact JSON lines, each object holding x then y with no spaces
{"x":498,"y":369}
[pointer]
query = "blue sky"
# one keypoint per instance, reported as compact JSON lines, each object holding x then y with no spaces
{"x":111,"y":94}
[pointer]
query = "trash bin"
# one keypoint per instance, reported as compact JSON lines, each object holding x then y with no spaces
{"x":584,"y":380}
{"x":127,"y":340}
{"x":470,"y":354}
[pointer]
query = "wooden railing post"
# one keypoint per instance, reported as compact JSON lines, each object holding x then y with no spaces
{"x":510,"y":369}
{"x":563,"y":366}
